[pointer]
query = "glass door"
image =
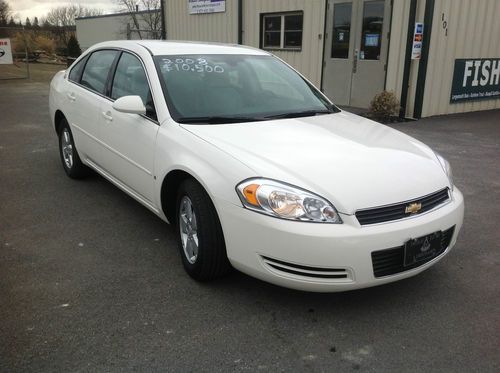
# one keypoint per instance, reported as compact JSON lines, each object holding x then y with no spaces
{"x":356,"y":45}
{"x":339,"y":51}
{"x":371,"y":45}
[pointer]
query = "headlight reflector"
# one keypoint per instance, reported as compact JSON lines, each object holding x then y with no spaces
{"x":285,"y":201}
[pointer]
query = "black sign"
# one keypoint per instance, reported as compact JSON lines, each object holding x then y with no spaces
{"x":475,"y":79}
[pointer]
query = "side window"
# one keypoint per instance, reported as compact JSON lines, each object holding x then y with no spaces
{"x":97,"y":70}
{"x":76,"y":71}
{"x":130,"y":79}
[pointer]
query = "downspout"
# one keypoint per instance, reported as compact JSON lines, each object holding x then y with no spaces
{"x":406,"y":69}
{"x":240,"y":21}
{"x":163,"y":27}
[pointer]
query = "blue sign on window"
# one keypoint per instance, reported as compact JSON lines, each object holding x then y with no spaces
{"x":371,"y":40}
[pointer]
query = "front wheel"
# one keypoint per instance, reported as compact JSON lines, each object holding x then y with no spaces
{"x":201,"y":241}
{"x":71,"y":161}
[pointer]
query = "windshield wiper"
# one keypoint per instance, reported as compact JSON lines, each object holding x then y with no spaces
{"x":298,"y":114}
{"x":218,"y":119}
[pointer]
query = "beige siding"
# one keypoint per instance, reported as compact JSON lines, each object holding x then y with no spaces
{"x":473,"y":32}
{"x":309,"y":60}
{"x":395,"y":60}
{"x":213,"y":27}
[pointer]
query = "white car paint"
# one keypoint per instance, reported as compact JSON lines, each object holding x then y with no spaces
{"x":351,"y":161}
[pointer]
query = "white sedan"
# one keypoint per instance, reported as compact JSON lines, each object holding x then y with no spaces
{"x":255,"y":167}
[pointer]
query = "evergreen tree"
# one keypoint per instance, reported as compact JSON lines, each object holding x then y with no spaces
{"x":73,"y":47}
{"x":28,"y":23}
{"x":35,"y":23}
{"x":12,"y":23}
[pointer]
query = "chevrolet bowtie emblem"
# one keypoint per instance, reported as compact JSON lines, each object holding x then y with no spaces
{"x":413,"y":208}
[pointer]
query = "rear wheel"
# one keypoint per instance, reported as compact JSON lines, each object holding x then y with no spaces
{"x":201,"y":241}
{"x":71,"y":161}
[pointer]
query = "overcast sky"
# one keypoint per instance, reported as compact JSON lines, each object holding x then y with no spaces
{"x":39,"y":8}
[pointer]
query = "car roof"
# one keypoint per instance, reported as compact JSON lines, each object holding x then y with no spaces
{"x":162,"y":47}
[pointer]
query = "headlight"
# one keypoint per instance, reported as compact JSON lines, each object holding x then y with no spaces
{"x":285,"y":201}
{"x":446,"y":168}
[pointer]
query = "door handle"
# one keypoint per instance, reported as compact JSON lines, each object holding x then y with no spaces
{"x":107,"y":115}
{"x":355,"y":61}
{"x":71,"y":96}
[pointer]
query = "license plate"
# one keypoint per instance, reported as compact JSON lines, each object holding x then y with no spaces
{"x":422,"y":249}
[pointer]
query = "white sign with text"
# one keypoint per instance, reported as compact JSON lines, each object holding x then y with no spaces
{"x":5,"y":52}
{"x":206,"y":6}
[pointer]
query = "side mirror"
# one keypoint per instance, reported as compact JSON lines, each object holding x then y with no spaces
{"x":130,"y":104}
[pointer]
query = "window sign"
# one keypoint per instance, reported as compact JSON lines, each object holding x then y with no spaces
{"x":371,"y":40}
{"x":418,"y":36}
{"x":475,"y":79}
{"x":5,"y":52}
{"x":206,"y":6}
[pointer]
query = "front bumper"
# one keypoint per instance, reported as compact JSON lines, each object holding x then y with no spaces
{"x":259,"y":245}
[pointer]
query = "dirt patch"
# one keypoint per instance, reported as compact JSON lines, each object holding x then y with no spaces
{"x":39,"y":72}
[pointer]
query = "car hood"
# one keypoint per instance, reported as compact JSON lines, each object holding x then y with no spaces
{"x":352,"y":161}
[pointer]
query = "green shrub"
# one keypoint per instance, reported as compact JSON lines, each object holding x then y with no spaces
{"x":73,"y":47}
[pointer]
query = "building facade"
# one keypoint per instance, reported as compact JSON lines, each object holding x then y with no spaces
{"x":437,"y":56}
{"x":118,"y":26}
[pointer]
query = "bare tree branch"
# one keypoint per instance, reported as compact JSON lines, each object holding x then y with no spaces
{"x":5,"y":12}
{"x":149,"y":20}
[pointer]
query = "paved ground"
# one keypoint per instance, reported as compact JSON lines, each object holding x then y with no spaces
{"x":92,"y":281}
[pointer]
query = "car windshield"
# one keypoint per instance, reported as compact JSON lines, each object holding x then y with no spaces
{"x":236,"y":88}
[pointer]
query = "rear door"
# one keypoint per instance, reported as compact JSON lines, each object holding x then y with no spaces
{"x":129,"y":139}
{"x":85,"y":94}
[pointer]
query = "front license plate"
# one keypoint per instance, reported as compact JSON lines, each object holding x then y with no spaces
{"x":422,"y":249}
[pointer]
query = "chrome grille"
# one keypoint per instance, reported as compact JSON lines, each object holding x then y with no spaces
{"x":398,"y":211}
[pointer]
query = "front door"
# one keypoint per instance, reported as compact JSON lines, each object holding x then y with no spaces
{"x":356,"y":48}
{"x":129,"y":139}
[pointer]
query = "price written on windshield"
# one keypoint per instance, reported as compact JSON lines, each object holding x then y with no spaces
{"x":198,"y":65}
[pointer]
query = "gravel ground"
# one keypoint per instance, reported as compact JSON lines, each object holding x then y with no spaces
{"x":92,"y":281}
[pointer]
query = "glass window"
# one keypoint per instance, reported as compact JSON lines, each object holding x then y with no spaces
{"x":234,"y":86}
{"x":130,"y":80}
{"x":97,"y":69}
{"x":371,"y":36}
{"x":282,"y":31}
{"x":293,"y":31}
{"x":76,"y":71}
{"x":272,"y":31}
{"x":341,"y":30}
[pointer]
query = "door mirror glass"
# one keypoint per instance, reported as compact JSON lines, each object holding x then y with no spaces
{"x":130,"y":104}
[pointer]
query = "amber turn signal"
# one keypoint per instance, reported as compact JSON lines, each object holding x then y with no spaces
{"x":250,"y":193}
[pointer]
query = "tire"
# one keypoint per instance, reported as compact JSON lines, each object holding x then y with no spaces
{"x":208,"y":259}
{"x":70,"y":159}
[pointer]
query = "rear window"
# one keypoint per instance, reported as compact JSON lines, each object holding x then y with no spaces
{"x":97,"y":69}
